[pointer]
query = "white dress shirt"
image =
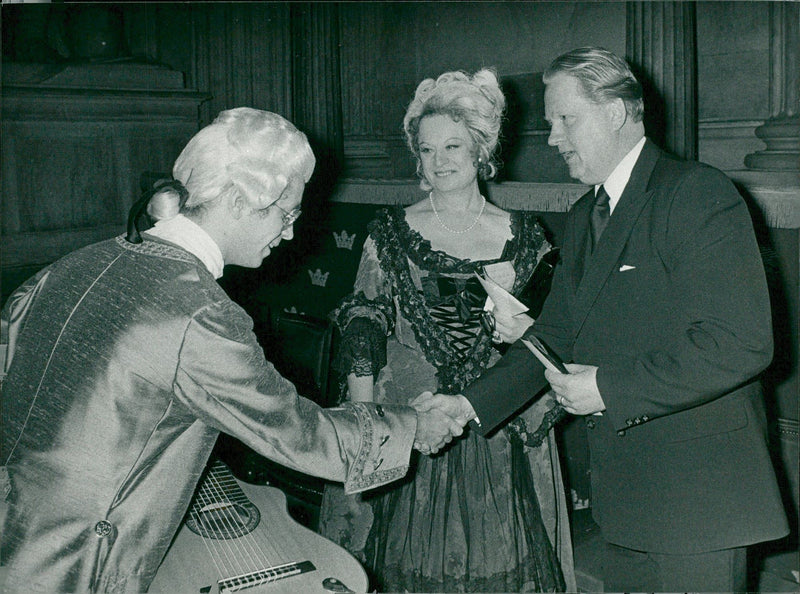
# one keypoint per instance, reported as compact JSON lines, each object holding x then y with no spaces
{"x":616,"y":182}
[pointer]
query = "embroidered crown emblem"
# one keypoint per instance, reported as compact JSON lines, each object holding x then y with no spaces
{"x":318,"y":277}
{"x":343,"y":240}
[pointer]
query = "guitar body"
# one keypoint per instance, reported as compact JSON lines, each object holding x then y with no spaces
{"x":240,"y":537}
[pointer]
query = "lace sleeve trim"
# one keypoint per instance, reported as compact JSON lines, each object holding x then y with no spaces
{"x":362,"y":350}
{"x":364,"y":325}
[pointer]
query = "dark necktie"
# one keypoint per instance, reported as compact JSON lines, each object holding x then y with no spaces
{"x":600,"y":214}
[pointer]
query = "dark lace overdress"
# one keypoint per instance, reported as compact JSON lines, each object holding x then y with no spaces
{"x":486,"y":515}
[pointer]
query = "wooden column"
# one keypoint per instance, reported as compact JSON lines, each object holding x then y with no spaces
{"x":781,"y":132}
{"x":243,"y":53}
{"x":316,"y":94}
{"x":366,"y":154}
{"x":661,"y":48}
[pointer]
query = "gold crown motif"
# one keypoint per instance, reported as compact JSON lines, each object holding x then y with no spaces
{"x":343,"y":240}
{"x":318,"y":277}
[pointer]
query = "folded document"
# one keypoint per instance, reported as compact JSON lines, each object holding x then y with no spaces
{"x":545,"y":354}
{"x":500,"y":298}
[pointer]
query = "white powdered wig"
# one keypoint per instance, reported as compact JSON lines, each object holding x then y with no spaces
{"x":252,"y":151}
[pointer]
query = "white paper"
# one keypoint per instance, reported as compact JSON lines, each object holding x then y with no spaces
{"x":502,"y":299}
{"x":503,"y":273}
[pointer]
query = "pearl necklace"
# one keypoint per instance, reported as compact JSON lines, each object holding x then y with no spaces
{"x":475,"y":222}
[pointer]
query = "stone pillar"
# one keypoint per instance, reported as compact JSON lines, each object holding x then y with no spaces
{"x":661,"y":49}
{"x":781,"y":132}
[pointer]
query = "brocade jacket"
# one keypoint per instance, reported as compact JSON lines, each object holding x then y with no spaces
{"x":127,"y":360}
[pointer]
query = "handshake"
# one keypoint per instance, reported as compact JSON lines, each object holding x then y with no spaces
{"x":440,"y":418}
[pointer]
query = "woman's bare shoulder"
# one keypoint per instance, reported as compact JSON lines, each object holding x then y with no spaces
{"x":496,"y":217}
{"x":423,"y":205}
{"x":418,"y":213}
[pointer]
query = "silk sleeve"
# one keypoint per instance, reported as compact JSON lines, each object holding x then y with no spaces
{"x":224,"y":379}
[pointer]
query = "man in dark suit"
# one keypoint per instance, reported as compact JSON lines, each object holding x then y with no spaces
{"x":661,"y":298}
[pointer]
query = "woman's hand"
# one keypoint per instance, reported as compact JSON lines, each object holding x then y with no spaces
{"x":510,"y":328}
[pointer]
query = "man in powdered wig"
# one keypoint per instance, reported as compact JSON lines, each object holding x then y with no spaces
{"x":126,"y":359}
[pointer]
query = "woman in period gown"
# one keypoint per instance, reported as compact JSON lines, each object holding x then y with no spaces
{"x":485,"y":515}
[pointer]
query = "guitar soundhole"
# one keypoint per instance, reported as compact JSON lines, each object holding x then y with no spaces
{"x":223,"y":520}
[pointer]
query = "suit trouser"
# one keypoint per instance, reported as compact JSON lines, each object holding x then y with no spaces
{"x":627,"y":570}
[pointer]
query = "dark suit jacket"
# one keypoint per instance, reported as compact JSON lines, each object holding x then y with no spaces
{"x":673,"y":309}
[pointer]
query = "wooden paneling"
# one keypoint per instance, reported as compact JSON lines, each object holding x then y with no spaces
{"x":242,"y":54}
{"x":316,"y":88}
{"x":387,"y":49}
{"x":661,"y":45}
{"x":72,"y":160}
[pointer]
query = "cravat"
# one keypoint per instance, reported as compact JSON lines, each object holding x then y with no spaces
{"x":600,"y":214}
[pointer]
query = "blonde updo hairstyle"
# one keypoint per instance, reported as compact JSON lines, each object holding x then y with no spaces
{"x":243,"y":150}
{"x":476,"y":100}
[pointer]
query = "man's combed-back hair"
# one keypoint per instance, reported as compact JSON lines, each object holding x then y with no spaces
{"x":604,"y":76}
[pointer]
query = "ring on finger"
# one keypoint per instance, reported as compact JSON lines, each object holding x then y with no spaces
{"x":488,"y":322}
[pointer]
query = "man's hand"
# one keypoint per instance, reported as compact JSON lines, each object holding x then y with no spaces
{"x":439,"y":419}
{"x":455,"y":406}
{"x":577,"y":391}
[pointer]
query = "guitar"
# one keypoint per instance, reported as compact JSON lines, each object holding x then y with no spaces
{"x":253,"y":544}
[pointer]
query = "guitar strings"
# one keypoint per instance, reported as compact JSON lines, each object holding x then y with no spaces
{"x":218,"y":508}
{"x":196,"y":513}
{"x":234,"y":549}
{"x":203,"y":500}
{"x":237,"y":550}
{"x":221,"y":522}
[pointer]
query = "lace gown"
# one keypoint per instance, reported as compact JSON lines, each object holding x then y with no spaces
{"x":484,"y":515}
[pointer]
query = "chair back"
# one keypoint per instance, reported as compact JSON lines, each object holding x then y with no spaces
{"x":300,"y":348}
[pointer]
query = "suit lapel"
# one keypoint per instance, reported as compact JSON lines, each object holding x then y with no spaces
{"x":599,"y":265}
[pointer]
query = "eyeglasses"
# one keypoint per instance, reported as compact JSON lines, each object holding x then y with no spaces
{"x":289,"y":217}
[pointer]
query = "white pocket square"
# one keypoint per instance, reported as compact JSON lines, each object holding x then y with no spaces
{"x":625,"y":267}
